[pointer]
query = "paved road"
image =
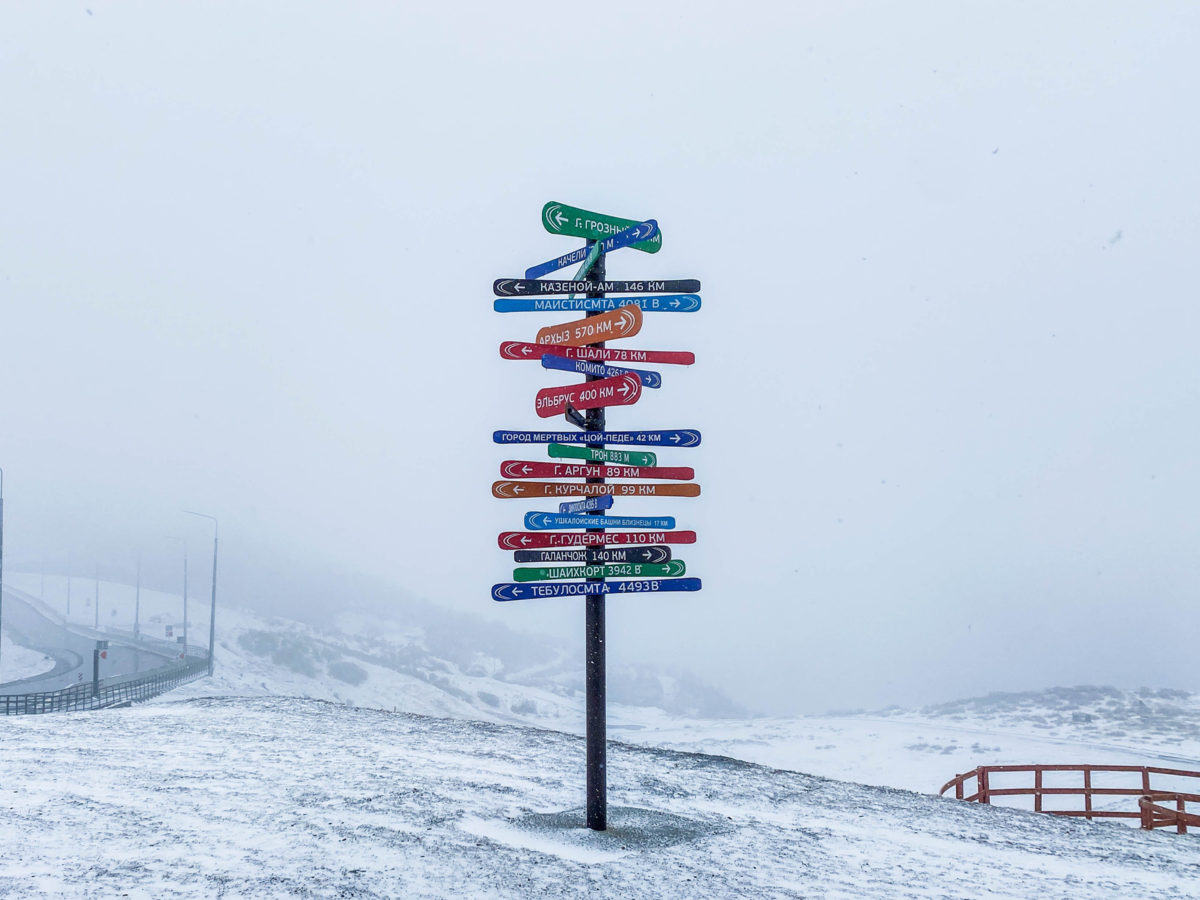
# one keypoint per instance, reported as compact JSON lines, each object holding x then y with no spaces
{"x":71,"y":651}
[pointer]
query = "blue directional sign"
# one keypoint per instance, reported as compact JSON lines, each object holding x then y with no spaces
{"x":683,"y":303}
{"x":533,"y":591}
{"x":591,"y":504}
{"x":634,"y":234}
{"x":682,"y":438}
{"x":541,"y":521}
{"x":583,"y":367}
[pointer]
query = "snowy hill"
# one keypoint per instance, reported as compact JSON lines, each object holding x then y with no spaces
{"x":434,"y":663}
{"x":270,"y":797}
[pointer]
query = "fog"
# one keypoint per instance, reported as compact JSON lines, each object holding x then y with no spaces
{"x":946,"y":363}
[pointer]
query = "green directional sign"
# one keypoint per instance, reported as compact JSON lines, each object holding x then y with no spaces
{"x":597,"y":454}
{"x":575,"y":222}
{"x":620,"y":570}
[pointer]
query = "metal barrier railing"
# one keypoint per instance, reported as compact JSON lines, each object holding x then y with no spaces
{"x":88,"y":695}
{"x":1150,"y":814}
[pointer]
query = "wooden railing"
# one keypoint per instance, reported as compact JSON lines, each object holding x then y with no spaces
{"x":1156,"y":816}
{"x":1149,"y":811}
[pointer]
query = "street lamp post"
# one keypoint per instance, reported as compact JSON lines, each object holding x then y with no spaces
{"x":185,"y":580}
{"x":137,"y":603}
{"x":1,"y":545}
{"x":212,"y":613}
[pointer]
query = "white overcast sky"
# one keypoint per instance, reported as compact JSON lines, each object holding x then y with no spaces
{"x":947,"y":361}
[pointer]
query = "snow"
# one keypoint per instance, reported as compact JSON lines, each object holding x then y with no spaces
{"x":17,"y":662}
{"x":268,"y":797}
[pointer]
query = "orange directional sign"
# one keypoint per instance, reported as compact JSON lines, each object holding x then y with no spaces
{"x":516,"y":468}
{"x":519,"y":490}
{"x":620,"y":323}
{"x":620,"y":390}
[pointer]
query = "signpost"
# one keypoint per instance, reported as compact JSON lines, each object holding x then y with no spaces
{"x":532,"y":287}
{"x":620,"y":390}
{"x":600,"y":370}
{"x":526,"y":540}
{"x":637,"y":233}
{"x":671,"y":569}
{"x":541,"y":521}
{"x":528,"y":591}
{"x":596,"y":454}
{"x":625,"y":321}
{"x":683,"y":303}
{"x":591,"y":504}
{"x":524,"y":490}
{"x":558,"y":218}
{"x":681,"y":438}
{"x":516,"y":468}
{"x":523,"y":350}
{"x":594,"y":553}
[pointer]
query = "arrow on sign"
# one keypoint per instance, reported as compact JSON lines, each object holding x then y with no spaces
{"x":522,"y":350}
{"x":620,"y":390}
{"x":635,"y":234}
{"x":541,"y":521}
{"x":623,"y":322}
{"x":683,"y":303}
{"x":522,"y":287}
{"x":515,"y":490}
{"x":682,"y":438}
{"x":517,"y":468}
{"x":519,"y":540}
{"x":585,"y":588}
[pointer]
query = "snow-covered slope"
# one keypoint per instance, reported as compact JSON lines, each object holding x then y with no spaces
{"x":920,"y":750}
{"x":270,"y":797}
{"x":435,"y":664}
{"x":17,"y":662}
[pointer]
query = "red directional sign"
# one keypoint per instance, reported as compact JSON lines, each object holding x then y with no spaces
{"x":519,"y":490}
{"x":516,"y":468}
{"x":532,"y":540}
{"x":620,"y":390}
{"x":523,"y":350}
{"x":620,"y":323}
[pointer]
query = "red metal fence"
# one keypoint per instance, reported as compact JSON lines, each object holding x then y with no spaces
{"x":1149,"y":810}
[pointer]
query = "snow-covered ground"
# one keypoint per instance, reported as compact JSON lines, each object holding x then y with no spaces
{"x":273,"y":797}
{"x":17,"y":662}
{"x":413,"y":666}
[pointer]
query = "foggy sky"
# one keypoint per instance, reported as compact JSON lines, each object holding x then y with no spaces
{"x":946,"y":363}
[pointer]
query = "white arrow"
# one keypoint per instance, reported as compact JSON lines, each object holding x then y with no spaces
{"x":675,"y":438}
{"x":525,"y":469}
{"x":624,"y":389}
{"x":525,"y":540}
{"x":517,"y":489}
{"x":675,"y":303}
{"x":559,"y":218}
{"x":526,"y":351}
{"x":518,"y":287}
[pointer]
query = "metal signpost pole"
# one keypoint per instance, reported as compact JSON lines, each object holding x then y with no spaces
{"x":1,"y":545}
{"x":597,"y":725}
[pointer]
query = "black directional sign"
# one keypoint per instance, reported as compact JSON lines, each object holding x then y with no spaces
{"x":533,"y":287}
{"x":593,"y":556}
